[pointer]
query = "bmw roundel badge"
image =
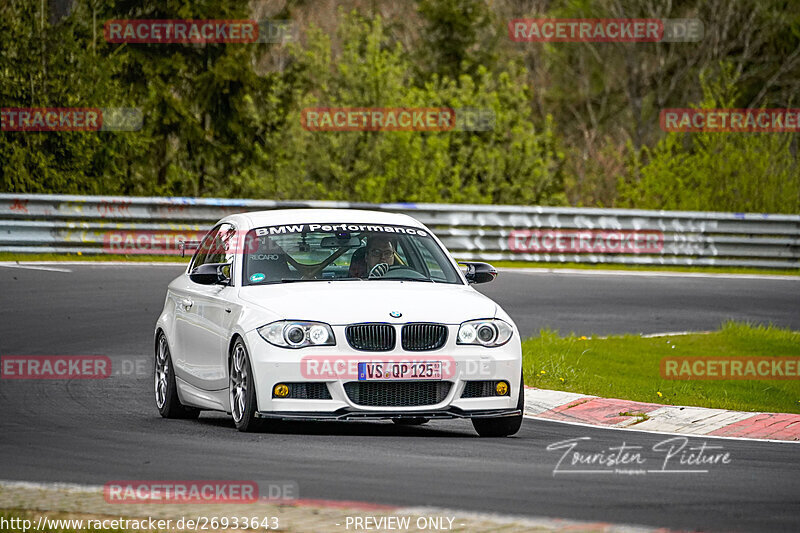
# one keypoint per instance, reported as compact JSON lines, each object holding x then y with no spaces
{"x":395,"y":314}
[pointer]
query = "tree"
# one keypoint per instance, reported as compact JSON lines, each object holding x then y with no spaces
{"x":457,"y":37}
{"x":515,"y":162}
{"x":49,"y":62}
{"x":713,"y":171}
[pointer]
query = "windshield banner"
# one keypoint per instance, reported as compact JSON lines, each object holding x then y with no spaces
{"x":339,"y":227}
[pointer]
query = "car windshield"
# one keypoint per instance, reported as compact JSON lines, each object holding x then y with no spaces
{"x":346,"y":252}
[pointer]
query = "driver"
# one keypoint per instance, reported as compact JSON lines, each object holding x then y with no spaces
{"x":379,"y":250}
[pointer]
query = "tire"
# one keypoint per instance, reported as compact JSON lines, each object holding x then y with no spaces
{"x":417,"y":421}
{"x":505,"y":425}
{"x":166,"y":391}
{"x":241,"y":390}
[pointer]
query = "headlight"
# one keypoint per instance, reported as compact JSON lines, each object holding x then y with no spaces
{"x":296,"y":334}
{"x":490,"y":332}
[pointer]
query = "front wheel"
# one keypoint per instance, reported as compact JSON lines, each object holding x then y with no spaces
{"x":167,"y":401}
{"x":505,"y":425}
{"x":242,"y":390}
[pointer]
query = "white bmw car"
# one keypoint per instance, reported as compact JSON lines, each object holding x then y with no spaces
{"x":328,"y":314}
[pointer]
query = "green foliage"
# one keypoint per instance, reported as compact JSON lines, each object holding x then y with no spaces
{"x":514,"y":162}
{"x":629,"y":367}
{"x":46,"y":65}
{"x":575,"y":123}
{"x":457,"y":37}
{"x":731,"y":171}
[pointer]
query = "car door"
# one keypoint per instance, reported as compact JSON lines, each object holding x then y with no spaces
{"x":204,"y":315}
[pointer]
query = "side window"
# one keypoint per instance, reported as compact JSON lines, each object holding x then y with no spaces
{"x":227,"y":245}
{"x":217,"y":246}
{"x":201,"y":255}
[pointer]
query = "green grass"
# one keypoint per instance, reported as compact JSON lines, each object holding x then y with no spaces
{"x":640,"y":417}
{"x":628,"y":367}
{"x":650,"y":268}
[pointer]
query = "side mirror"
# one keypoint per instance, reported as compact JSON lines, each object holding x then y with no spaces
{"x":479,"y":272}
{"x":212,"y":274}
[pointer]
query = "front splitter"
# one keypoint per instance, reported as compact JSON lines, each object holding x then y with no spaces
{"x":350,"y":414}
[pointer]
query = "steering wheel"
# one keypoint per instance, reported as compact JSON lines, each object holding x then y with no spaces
{"x":378,"y":271}
{"x":403,"y":272}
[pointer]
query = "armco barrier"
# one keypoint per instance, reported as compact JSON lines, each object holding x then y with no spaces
{"x":56,"y":223}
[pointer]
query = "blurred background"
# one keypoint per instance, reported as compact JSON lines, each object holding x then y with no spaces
{"x":577,"y":124}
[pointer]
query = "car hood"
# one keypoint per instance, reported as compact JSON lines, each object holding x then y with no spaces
{"x":349,"y":302}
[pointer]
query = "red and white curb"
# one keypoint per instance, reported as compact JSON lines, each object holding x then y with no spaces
{"x":607,"y":412}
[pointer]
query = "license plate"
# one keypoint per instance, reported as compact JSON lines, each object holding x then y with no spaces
{"x":399,"y":370}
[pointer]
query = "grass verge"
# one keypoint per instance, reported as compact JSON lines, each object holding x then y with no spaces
{"x":628,"y":367}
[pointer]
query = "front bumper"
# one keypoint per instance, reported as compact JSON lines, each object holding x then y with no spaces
{"x":348,"y":414}
{"x":272,"y":365}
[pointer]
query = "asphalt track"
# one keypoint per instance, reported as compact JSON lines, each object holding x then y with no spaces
{"x":94,"y":431}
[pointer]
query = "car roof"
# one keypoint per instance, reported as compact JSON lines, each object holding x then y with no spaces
{"x":274,"y":217}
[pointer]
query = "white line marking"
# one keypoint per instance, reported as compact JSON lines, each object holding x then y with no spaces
{"x":674,"y":334}
{"x":583,"y":424}
{"x":655,"y":335}
{"x":648,"y":274}
{"x":33,"y":267}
